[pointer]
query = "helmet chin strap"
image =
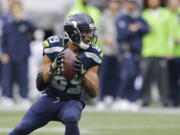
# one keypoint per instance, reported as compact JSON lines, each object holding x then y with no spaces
{"x":83,"y":45}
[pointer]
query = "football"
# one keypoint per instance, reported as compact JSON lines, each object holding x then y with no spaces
{"x":68,"y":70}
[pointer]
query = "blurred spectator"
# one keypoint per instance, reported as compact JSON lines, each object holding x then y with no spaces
{"x":174,"y":63}
{"x":131,"y":27}
{"x":83,"y":6}
{"x":109,"y":69}
{"x":35,"y":60}
{"x":155,"y":51}
{"x":38,"y":10}
{"x":101,"y":4}
{"x":1,"y":26}
{"x":16,"y":37}
{"x":58,"y":29}
{"x":3,"y":20}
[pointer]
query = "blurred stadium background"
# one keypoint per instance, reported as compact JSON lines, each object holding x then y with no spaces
{"x":48,"y":15}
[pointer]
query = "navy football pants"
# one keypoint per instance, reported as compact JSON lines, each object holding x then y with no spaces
{"x":48,"y":109}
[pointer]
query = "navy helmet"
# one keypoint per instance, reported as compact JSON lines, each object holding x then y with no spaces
{"x":79,"y":26}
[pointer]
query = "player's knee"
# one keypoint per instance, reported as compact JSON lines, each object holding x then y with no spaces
{"x":71,"y":117}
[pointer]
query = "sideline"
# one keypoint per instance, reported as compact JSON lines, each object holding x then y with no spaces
{"x":146,"y":110}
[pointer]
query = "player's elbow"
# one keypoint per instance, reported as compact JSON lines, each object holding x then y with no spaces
{"x":39,"y":87}
{"x":40,"y":83}
{"x":93,"y":93}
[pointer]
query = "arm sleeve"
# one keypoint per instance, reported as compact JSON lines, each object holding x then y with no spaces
{"x":123,"y":32}
{"x":40,"y":83}
{"x":53,"y":46}
{"x":32,"y":26}
{"x":144,"y":27}
{"x":46,"y":50}
{"x":31,"y":30}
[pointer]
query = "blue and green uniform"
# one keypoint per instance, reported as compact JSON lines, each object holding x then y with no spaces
{"x":62,"y":100}
{"x":59,"y":85}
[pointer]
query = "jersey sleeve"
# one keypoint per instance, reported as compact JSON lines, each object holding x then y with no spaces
{"x":52,"y":46}
{"x":93,"y":56}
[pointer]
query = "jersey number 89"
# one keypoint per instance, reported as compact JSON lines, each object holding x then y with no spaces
{"x":70,"y":87}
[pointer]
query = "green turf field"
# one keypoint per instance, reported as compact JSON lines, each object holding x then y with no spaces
{"x":106,"y":123}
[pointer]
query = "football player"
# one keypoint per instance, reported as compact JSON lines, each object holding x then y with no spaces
{"x":62,"y":100}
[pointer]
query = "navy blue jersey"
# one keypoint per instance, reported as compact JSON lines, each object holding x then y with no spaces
{"x":16,"y":38}
{"x":59,"y":86}
{"x":126,"y":36}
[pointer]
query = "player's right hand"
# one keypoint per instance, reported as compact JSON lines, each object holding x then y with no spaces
{"x":79,"y":68}
{"x":57,"y":65}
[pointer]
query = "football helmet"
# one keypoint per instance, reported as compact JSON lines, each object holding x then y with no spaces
{"x":80,"y":29}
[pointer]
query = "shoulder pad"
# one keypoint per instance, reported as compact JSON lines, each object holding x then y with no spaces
{"x":53,"y":44}
{"x":95,"y":53}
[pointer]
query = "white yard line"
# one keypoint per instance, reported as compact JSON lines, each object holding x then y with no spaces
{"x":148,"y":110}
{"x":91,"y":129}
{"x":47,"y":130}
{"x":137,"y":126}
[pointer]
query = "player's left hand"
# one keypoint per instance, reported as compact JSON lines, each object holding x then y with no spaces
{"x":57,"y":65}
{"x":79,"y":68}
